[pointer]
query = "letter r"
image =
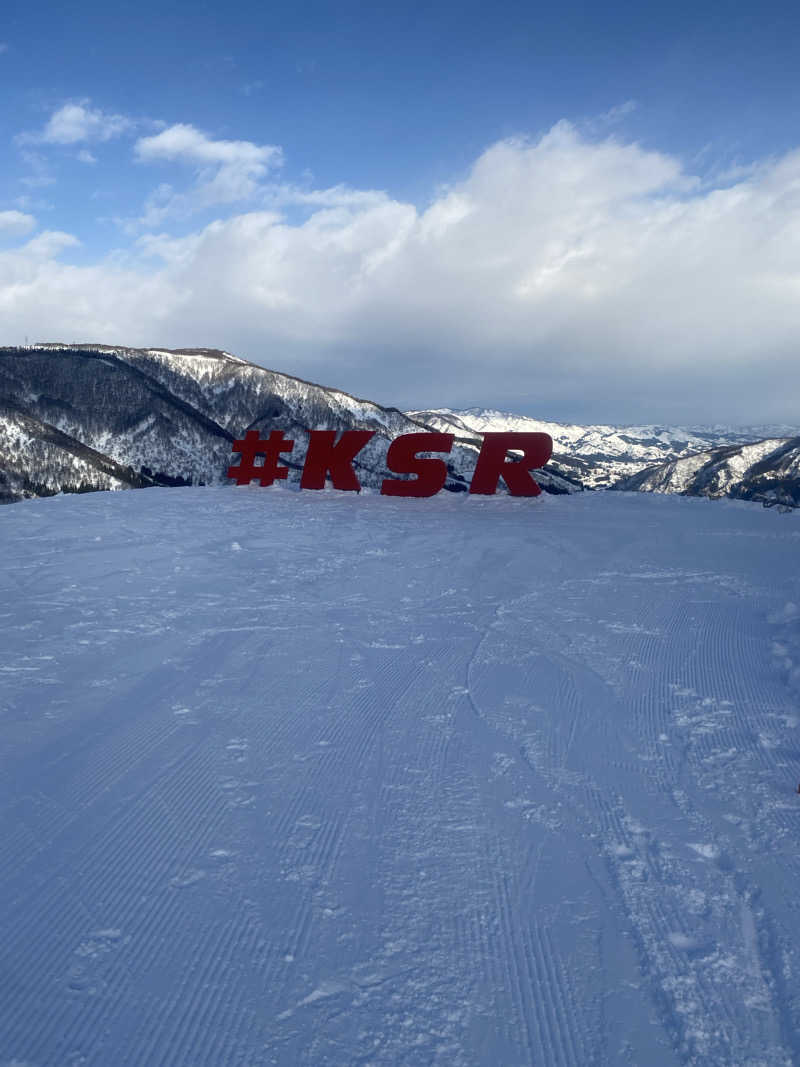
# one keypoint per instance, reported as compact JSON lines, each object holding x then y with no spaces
{"x":536,"y":448}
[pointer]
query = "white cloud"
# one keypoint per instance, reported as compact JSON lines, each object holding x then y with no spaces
{"x":76,"y":122}
{"x":85,"y":156}
{"x":563,"y":276}
{"x":16,"y":224}
{"x":226,"y":171}
{"x":47,"y":245}
{"x":184,"y":142}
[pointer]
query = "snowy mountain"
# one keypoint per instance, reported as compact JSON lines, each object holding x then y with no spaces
{"x":766,"y":470}
{"x":600,"y":456}
{"x":76,"y":417}
{"x":82,"y":417}
{"x":327,"y":779}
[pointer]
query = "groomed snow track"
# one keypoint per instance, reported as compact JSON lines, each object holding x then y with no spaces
{"x":305,"y":778}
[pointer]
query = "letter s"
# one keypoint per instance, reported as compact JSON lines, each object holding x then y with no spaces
{"x":401,"y":458}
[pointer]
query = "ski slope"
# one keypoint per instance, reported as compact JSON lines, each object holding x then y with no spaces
{"x":310,"y":778}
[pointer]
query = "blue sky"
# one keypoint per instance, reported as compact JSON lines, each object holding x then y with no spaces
{"x":320,"y":141}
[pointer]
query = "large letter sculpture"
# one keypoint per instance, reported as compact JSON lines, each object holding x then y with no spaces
{"x":431,"y":474}
{"x":492,"y":463}
{"x":325,"y":458}
{"x":328,"y":458}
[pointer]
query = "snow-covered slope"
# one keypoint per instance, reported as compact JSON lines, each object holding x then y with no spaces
{"x":602,"y":455}
{"x":293,"y":778}
{"x":37,"y":460}
{"x":767,"y":470}
{"x":171,"y":417}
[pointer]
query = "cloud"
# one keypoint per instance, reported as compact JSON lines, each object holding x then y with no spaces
{"x":225,"y":171}
{"x":564,"y":276}
{"x":184,"y":142}
{"x":16,"y":224}
{"x":618,"y":112}
{"x":85,"y":156}
{"x":77,"y":122}
{"x":3,"y":47}
{"x":49,"y":244}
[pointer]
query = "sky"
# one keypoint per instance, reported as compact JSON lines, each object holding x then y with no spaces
{"x":580,"y":212}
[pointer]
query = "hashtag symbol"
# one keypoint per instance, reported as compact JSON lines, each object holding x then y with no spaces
{"x":270,"y":448}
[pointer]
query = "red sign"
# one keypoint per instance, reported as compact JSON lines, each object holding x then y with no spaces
{"x":327,"y":458}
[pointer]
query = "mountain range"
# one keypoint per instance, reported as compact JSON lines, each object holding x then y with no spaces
{"x":87,"y":417}
{"x":84,"y":417}
{"x":603,"y":456}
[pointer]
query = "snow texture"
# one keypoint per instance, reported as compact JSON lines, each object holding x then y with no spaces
{"x":314,"y":778}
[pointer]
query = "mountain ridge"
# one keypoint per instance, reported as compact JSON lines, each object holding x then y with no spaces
{"x":169,"y":417}
{"x":82,"y":417}
{"x":767,"y":471}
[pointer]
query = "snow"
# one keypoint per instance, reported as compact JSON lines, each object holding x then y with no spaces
{"x":726,"y":471}
{"x":313,"y":778}
{"x":678,"y":475}
{"x":741,"y":462}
